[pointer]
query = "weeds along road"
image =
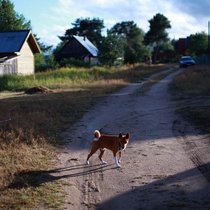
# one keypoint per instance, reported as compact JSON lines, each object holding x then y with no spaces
{"x":165,"y":166}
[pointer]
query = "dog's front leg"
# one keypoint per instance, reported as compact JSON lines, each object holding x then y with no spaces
{"x":116,"y":160}
{"x":119,"y":157}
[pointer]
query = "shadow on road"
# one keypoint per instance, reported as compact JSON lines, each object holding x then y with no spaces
{"x":171,"y":192}
{"x":27,"y":179}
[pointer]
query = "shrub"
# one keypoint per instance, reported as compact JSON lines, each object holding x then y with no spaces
{"x":72,"y":62}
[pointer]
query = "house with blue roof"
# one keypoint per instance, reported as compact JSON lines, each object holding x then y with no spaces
{"x":17,"y":50}
{"x":80,"y":48}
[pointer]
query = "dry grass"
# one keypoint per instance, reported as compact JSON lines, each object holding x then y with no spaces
{"x":193,"y":88}
{"x":27,"y":142}
{"x":29,"y":135}
{"x":195,"y":81}
{"x":74,"y":77}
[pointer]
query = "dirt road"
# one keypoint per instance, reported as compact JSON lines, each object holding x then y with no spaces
{"x":165,"y":166}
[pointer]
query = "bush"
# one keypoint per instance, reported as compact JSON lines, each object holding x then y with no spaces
{"x":72,"y":62}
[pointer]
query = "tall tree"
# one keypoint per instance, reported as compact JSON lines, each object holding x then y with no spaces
{"x":198,"y":43}
{"x":157,"y":33}
{"x":91,"y":28}
{"x":133,"y":38}
{"x":111,"y":49}
{"x":10,"y":19}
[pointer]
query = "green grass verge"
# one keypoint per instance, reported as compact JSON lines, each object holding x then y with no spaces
{"x":74,"y":77}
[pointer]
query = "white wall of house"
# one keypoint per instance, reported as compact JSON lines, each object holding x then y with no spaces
{"x":26,"y":60}
{"x":9,"y":66}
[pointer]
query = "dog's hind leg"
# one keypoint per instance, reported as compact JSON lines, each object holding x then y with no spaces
{"x":101,"y":154}
{"x":93,"y":150}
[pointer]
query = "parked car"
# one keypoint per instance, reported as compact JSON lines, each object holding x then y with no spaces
{"x":186,"y":61}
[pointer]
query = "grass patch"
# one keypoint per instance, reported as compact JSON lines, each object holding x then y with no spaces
{"x":30,"y":127}
{"x":193,"y":87}
{"x":42,"y":197}
{"x":20,"y":157}
{"x":75,"y":77}
{"x":195,"y":81}
{"x":29,"y":139}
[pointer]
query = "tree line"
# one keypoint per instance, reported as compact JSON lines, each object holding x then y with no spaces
{"x":125,"y":42}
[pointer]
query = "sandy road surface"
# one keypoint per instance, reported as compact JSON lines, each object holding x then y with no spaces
{"x":166,"y":164}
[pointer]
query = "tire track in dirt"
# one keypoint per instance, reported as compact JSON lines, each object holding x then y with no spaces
{"x":91,"y":188}
{"x":193,"y":145}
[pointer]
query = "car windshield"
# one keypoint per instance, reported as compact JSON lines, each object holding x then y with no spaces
{"x":186,"y":59}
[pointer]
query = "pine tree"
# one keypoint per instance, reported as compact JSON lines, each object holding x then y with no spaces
{"x":11,"y":20}
{"x":157,"y":34}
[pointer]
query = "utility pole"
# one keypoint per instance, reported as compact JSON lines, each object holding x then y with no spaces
{"x":208,"y":37}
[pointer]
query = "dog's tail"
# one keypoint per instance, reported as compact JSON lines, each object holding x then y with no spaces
{"x":97,"y":135}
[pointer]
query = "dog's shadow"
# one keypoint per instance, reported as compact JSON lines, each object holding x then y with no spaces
{"x":36,"y":178}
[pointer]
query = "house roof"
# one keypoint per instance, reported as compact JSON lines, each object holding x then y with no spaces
{"x":12,"y":41}
{"x":87,"y":44}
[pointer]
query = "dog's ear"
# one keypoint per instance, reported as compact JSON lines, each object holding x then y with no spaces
{"x":120,"y":135}
{"x":127,"y":136}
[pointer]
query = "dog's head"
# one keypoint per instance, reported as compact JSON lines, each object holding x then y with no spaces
{"x":124,"y":139}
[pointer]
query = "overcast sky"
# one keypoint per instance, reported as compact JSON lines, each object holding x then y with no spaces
{"x":51,"y":18}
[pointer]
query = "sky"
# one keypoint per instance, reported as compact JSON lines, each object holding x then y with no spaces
{"x":51,"y":18}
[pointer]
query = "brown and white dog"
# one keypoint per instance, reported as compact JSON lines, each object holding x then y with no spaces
{"x":112,"y":142}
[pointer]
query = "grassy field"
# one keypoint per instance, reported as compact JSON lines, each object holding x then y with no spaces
{"x":30,"y":126}
{"x":72,"y":77}
{"x":193,"y":87}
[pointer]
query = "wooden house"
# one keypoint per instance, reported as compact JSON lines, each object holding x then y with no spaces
{"x":182,"y":45}
{"x":80,"y":48}
{"x":17,"y":49}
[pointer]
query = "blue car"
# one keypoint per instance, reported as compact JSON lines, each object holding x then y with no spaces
{"x":186,"y":61}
